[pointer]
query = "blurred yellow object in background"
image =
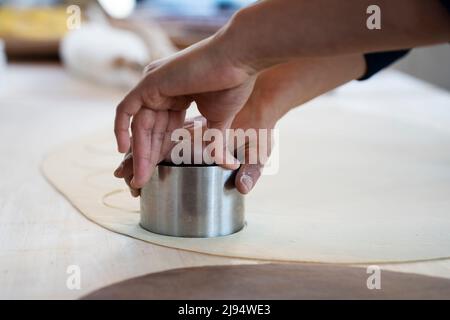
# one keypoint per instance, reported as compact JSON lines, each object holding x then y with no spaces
{"x":36,"y":24}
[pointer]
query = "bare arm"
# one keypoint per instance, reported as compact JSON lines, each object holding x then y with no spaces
{"x":274,"y":31}
{"x":219,"y":72}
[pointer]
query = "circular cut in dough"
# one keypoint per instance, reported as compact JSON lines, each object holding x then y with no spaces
{"x":352,"y":187}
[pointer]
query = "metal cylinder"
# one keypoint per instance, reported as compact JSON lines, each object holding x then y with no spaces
{"x":192,"y":201}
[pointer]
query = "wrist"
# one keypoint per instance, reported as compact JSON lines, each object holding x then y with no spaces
{"x":240,"y":41}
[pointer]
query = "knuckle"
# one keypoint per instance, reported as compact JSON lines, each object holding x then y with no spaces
{"x":151,"y":97}
{"x":159,"y":136}
{"x":122,"y":107}
{"x":143,"y":120}
{"x":118,"y":130}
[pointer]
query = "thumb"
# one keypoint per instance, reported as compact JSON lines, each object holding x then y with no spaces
{"x":247,"y":177}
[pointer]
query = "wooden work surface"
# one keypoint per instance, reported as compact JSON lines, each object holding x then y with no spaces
{"x":41,"y":234}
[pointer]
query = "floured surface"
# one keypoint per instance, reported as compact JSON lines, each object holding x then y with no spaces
{"x":41,"y":233}
{"x":353,"y":187}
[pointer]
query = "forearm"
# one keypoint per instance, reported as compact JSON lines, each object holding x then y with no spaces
{"x":286,"y":86}
{"x":274,"y":31}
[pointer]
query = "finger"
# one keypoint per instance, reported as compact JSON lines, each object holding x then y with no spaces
{"x":247,"y":177}
{"x":141,"y":127}
{"x":125,"y":166}
{"x":118,"y":171}
{"x":229,"y":161}
{"x":125,"y":171}
{"x":127,"y":174}
{"x":158,"y":135}
{"x":134,"y":192}
{"x":177,"y":115}
{"x":129,"y":106}
{"x":225,"y":158}
{"x":175,"y":121}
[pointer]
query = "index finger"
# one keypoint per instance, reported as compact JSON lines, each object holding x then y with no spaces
{"x":129,"y":106}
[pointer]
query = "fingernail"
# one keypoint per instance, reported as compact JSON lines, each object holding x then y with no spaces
{"x":247,"y":181}
{"x":118,"y":170}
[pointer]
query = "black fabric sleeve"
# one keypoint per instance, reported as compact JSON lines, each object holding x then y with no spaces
{"x":379,"y":60}
{"x":446,"y":4}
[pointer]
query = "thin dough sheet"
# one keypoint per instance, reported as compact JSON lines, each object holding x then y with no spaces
{"x":351,"y":188}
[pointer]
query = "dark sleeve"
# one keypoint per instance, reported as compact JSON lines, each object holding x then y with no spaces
{"x":377,"y":61}
{"x":446,"y":4}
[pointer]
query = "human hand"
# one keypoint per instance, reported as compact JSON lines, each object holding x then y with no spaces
{"x":125,"y":169}
{"x":248,"y":172}
{"x":281,"y":88}
{"x":276,"y":91}
{"x":203,"y":74}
